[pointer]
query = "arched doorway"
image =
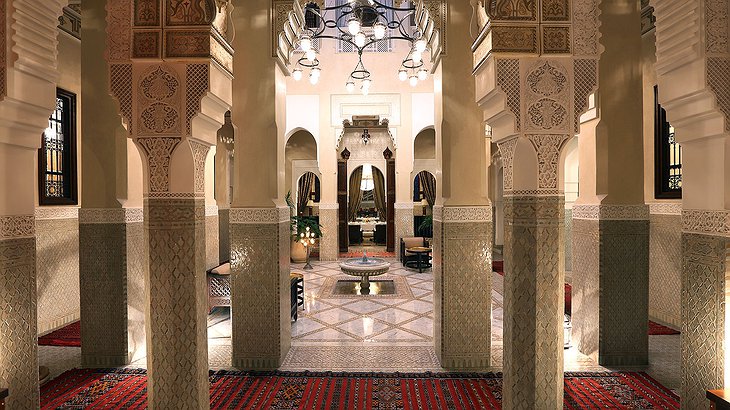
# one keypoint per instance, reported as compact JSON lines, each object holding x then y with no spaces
{"x":367,"y":207}
{"x":424,"y":198}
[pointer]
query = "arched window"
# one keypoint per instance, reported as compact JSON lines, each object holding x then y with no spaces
{"x":57,"y":156}
{"x":667,"y":156}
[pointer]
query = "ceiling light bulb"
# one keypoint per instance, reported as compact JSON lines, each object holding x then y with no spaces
{"x":360,"y":39}
{"x":316,"y":72}
{"x":366,"y":83}
{"x":413,"y":80}
{"x":421,"y":45}
{"x":422,"y":74}
{"x":402,"y":75}
{"x":379,"y":30}
{"x":311,"y":55}
{"x":365,"y":90}
{"x":350,"y":86}
{"x":305,"y":43}
{"x":297,"y":74}
{"x":353,"y":26}
{"x":313,"y":79}
{"x":416,"y":57}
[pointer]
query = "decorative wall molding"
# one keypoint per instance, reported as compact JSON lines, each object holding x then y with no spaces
{"x":611,"y":212}
{"x":158,"y":151}
{"x":404,"y":205}
{"x":255,"y":216}
{"x":665,"y":208}
{"x":329,"y":206}
{"x":3,"y":49}
{"x":17,"y":226}
{"x":707,"y":222}
{"x":70,"y":21}
{"x":548,"y":158}
{"x":174,"y":195}
{"x":92,"y":216}
{"x":200,"y":153}
{"x":460,"y":214}
{"x":46,"y":213}
{"x":211,"y":210}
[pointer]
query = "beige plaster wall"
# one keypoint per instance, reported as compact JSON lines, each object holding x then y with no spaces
{"x":57,"y":232}
{"x":424,"y":147}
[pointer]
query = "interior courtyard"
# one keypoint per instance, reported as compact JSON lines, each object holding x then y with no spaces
{"x":518,"y":204}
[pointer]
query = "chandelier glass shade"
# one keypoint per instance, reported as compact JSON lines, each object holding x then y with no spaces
{"x":362,"y":24}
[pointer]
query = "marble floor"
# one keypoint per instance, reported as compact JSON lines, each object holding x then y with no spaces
{"x":376,"y":333}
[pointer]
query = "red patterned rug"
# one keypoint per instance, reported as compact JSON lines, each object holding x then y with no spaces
{"x":69,"y":335}
{"x":657,"y":329}
{"x":126,"y":389}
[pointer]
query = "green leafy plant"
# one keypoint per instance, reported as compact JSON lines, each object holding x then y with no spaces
{"x":299,"y":224}
{"x":426,"y":226}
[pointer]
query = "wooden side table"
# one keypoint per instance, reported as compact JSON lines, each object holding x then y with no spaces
{"x":3,"y":396}
{"x":421,"y":262}
{"x":719,"y":399}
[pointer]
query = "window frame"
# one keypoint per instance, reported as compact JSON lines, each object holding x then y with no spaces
{"x":662,"y":160}
{"x":70,"y":169}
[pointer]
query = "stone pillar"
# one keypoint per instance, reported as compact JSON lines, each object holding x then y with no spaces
{"x":533,"y":82}
{"x":403,"y":223}
{"x":534,"y":269}
{"x":259,"y":218}
{"x":112,"y":263}
{"x":462,"y":218}
{"x":173,"y":98}
{"x":699,"y":110}
{"x":328,"y":246}
{"x":610,"y":219}
{"x":27,"y":97}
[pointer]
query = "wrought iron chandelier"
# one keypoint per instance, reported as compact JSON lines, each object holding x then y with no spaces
{"x":362,"y":24}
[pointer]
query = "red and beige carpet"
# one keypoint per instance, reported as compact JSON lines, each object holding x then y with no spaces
{"x":126,"y":389}
{"x":68,"y":336}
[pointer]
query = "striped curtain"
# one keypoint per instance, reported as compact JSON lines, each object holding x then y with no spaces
{"x":428,"y":182}
{"x":304,"y":190}
{"x":355,"y":197}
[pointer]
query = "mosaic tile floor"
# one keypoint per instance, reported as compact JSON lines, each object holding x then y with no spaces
{"x":376,"y":333}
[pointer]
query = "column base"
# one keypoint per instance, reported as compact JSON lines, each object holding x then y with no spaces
{"x":260,"y":287}
{"x":462,"y":286}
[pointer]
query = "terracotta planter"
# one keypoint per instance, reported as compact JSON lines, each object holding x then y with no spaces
{"x":298,"y":252}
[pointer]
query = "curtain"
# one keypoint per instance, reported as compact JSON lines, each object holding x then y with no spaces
{"x":304,"y":190}
{"x":355,"y":194}
{"x":429,"y":187}
{"x":379,"y":193}
{"x":417,"y":188}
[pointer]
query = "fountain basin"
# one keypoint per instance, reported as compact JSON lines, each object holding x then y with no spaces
{"x":364,"y":268}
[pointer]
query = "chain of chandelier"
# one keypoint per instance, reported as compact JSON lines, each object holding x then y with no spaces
{"x":362,"y":24}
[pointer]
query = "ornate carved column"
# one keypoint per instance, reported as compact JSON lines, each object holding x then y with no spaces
{"x":111,"y":237}
{"x":532,"y":98}
{"x":259,"y":218}
{"x":462,"y":218}
{"x":173,"y":87}
{"x":610,"y":219}
{"x":27,"y":97}
{"x":692,"y":42}
{"x":328,"y":218}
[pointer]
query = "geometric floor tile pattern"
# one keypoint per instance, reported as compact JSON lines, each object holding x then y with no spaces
{"x":375,"y":333}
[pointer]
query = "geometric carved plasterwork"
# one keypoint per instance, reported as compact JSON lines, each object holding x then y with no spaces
{"x":95,"y":216}
{"x":508,"y":80}
{"x":515,"y":39}
{"x":556,"y":40}
{"x":611,"y":212}
{"x":46,"y":213}
{"x":585,"y":28}
{"x":707,"y":222}
{"x":259,"y":215}
{"x":189,"y":13}
{"x":159,"y":151}
{"x":17,"y":226}
{"x":507,"y":150}
{"x":200,"y":153}
{"x":3,"y":62}
{"x":716,"y":26}
{"x":718,"y":80}
{"x":548,"y":158}
{"x":466,"y":214}
{"x":665,"y":208}
{"x":547,"y":87}
{"x":197,"y":85}
{"x":120,"y":78}
{"x":158,"y":101}
{"x":555,"y":10}
{"x":119,"y":34}
{"x":279,"y":14}
{"x":586,"y":82}
{"x":512,"y":10}
{"x":438,"y":11}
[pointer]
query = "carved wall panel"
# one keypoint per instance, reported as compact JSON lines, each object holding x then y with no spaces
{"x":586,"y":82}
{"x":119,"y":31}
{"x":3,"y":50}
{"x":548,"y":158}
{"x":556,"y":40}
{"x":189,"y":13}
{"x":585,"y":28}
{"x":718,"y":80}
{"x":547,"y":87}
{"x":197,"y":85}
{"x":147,"y":13}
{"x":508,"y":80}
{"x":158,"y":101}
{"x":158,"y":151}
{"x":716,"y":26}
{"x":18,"y":322}
{"x":512,"y":10}
{"x":515,"y":39}
{"x":555,"y":10}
